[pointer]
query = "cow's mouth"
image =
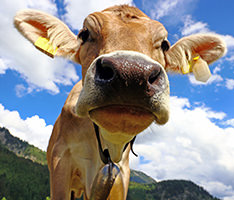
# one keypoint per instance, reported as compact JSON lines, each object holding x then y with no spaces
{"x":122,"y":119}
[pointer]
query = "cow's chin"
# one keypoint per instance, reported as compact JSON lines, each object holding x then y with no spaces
{"x":124,"y":120}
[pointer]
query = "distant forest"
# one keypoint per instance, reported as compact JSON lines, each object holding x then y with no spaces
{"x":22,"y":179}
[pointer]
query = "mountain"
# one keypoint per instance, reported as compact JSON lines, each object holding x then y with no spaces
{"x":24,"y":176}
{"x":21,"y":148}
{"x":168,"y":190}
{"x":22,"y":179}
{"x":140,"y":177}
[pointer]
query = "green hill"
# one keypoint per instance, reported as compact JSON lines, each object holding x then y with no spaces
{"x":168,"y":190}
{"x":24,"y":179}
{"x":21,"y":148}
{"x":140,"y":177}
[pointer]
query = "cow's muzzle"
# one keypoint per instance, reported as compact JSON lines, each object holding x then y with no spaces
{"x":125,"y":92}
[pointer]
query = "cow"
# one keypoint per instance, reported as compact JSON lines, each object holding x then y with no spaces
{"x":125,"y":57}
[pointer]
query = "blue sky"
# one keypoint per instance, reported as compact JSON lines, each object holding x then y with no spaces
{"x":197,"y":142}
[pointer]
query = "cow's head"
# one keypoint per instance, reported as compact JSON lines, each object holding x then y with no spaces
{"x":124,"y":56}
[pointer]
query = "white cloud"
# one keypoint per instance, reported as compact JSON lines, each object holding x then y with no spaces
{"x":3,"y":66}
{"x":212,"y":114}
{"x":20,"y":90}
{"x":165,"y":7}
{"x":215,"y":78}
{"x":229,"y":39}
{"x":229,"y":198}
{"x":190,"y":146}
{"x":217,"y":69}
{"x":231,"y":58}
{"x":230,"y":84}
{"x":171,"y":12}
{"x":39,"y":71}
{"x":78,"y":10}
{"x":229,"y":122}
{"x":220,"y":189}
{"x":48,"y":6}
{"x":192,"y":27}
{"x":33,"y":129}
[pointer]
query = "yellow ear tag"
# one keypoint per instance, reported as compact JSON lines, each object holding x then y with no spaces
{"x":188,"y":68}
{"x":44,"y":45}
{"x":196,"y":58}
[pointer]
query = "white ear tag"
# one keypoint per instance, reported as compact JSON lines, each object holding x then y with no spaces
{"x":201,"y":69}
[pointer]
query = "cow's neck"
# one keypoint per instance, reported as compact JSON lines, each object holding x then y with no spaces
{"x":111,"y":146}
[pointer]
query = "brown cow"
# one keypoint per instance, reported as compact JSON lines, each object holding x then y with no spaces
{"x":124,"y":56}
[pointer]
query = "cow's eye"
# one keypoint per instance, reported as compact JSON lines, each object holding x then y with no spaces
{"x":84,"y":34}
{"x":165,"y":45}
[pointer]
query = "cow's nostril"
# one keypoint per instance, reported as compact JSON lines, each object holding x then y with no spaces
{"x":154,"y":76}
{"x":104,"y":71}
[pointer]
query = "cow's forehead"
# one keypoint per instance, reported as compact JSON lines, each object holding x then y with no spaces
{"x":125,"y":10}
{"x":125,"y":13}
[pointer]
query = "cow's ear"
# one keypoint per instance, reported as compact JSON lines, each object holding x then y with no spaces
{"x":47,"y":33}
{"x":194,"y":53}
